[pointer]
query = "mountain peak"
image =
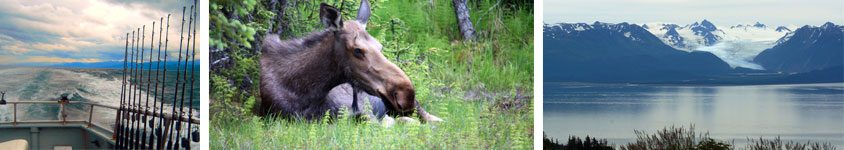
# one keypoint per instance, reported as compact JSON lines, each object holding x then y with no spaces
{"x":597,"y":23}
{"x":783,"y":28}
{"x":828,"y":25}
{"x":706,"y":23}
{"x":805,"y":49}
{"x":705,"y":29}
{"x":759,"y":25}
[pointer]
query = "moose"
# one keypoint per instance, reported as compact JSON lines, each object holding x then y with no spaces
{"x":326,"y":70}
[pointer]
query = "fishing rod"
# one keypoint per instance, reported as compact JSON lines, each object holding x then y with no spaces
{"x":155,"y":98}
{"x":132,"y":84}
{"x":129,"y":97}
{"x":137,"y":96}
{"x":178,"y":65}
{"x":143,"y":119}
{"x":195,"y":134}
{"x":184,"y":82}
{"x":125,"y":114}
{"x":119,"y":128}
{"x":159,"y":131}
{"x":136,"y":118}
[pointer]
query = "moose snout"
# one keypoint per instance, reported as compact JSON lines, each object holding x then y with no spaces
{"x":405,"y":99}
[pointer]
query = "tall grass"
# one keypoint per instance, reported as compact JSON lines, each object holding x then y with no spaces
{"x":777,"y":144}
{"x":482,"y":89}
{"x":465,"y":128}
{"x":677,"y":138}
{"x":501,"y":59}
{"x":674,"y":138}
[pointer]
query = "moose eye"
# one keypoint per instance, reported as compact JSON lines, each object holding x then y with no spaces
{"x":358,"y":51}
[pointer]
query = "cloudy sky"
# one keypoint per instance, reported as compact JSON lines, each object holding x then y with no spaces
{"x":60,"y":31}
{"x":719,"y":12}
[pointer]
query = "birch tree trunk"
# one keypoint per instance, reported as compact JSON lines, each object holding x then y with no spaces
{"x":463,"y":20}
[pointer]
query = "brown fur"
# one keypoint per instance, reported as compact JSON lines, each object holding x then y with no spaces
{"x":297,"y":74}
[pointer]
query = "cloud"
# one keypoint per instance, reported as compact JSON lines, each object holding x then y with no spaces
{"x":15,"y":49}
{"x":14,"y":46}
{"x":7,"y":59}
{"x":52,"y":47}
{"x":83,"y":31}
{"x":723,"y":12}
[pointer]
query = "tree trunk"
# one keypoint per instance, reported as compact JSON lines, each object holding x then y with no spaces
{"x":463,"y":20}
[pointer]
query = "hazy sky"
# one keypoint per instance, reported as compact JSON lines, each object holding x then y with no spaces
{"x":59,"y":31}
{"x":719,"y":12}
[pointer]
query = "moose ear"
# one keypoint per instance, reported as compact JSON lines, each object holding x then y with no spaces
{"x":330,"y":17}
{"x":364,"y":12}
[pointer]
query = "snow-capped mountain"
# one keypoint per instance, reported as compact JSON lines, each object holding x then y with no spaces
{"x":705,"y":33}
{"x":687,"y":37}
{"x":737,"y":44}
{"x":807,"y":48}
{"x":757,"y":25}
{"x":569,"y":28}
{"x":619,"y":52}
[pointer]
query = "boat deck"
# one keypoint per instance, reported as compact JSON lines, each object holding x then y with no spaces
{"x":55,"y":134}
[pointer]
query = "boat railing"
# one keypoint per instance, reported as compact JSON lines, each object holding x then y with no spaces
{"x":168,"y":118}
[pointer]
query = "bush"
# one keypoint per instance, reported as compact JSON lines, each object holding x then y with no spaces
{"x":711,"y":144}
{"x":675,"y":138}
{"x":777,"y":144}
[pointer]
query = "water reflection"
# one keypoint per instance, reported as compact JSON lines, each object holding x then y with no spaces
{"x":794,"y":112}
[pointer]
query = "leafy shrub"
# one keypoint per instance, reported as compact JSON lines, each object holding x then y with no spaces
{"x":711,"y":144}
{"x":778,"y":144}
{"x":674,"y":138}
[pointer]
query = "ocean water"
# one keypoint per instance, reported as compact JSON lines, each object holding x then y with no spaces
{"x":102,"y":86}
{"x":800,"y":112}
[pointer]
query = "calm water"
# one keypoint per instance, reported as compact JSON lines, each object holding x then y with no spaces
{"x":793,"y":112}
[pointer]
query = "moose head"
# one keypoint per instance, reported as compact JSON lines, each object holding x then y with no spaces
{"x":362,"y":62}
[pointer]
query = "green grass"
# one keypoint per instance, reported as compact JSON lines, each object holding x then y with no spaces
{"x":501,"y":59}
{"x":482,"y":89}
{"x":467,"y":126}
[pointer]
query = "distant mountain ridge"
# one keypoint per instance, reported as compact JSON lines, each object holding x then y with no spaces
{"x":604,"y":52}
{"x":115,"y":65}
{"x":629,"y":53}
{"x":706,"y":33}
{"x":807,"y":48}
{"x":705,"y":29}
{"x":737,"y":45}
{"x":783,"y":29}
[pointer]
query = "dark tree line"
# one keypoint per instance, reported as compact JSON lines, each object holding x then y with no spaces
{"x":575,"y":143}
{"x":286,"y":20}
